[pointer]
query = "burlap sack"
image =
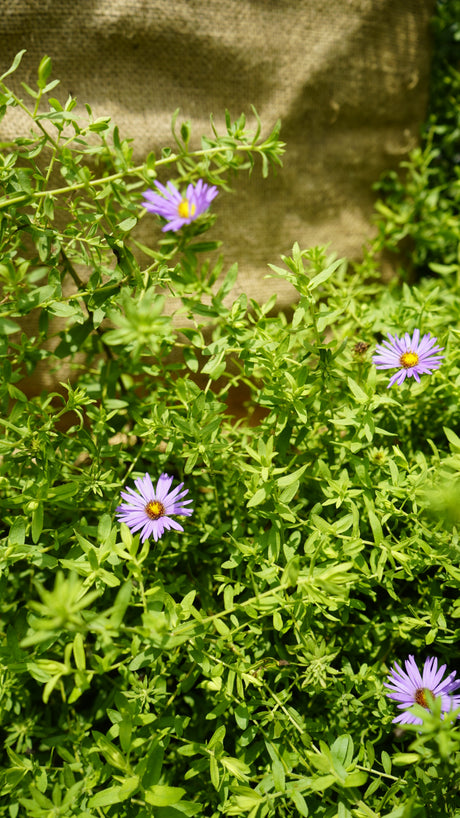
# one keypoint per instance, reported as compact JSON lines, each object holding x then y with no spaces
{"x":348,"y":78}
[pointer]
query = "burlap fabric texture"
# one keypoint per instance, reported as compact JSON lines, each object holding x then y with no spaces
{"x":348,"y":78}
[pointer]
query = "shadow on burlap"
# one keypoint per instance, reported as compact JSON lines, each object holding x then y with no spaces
{"x":348,"y":78}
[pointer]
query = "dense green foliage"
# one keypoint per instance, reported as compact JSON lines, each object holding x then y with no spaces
{"x":420,"y":205}
{"x":236,"y":668}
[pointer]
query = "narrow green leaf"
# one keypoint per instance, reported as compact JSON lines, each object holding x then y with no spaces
{"x":37,"y":522}
{"x":323,"y":782}
{"x":453,"y":439}
{"x":355,"y":779}
{"x":257,"y":498}
{"x":386,"y":762}
{"x":214,"y":772}
{"x":79,"y":651}
{"x":105,"y":798}
{"x":358,"y":393}
{"x":162,"y":796}
{"x":279,"y":778}
{"x":14,"y":64}
{"x":44,"y":71}
{"x":402,"y":759}
{"x":294,"y":476}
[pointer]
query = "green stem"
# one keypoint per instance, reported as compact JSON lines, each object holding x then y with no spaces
{"x":32,"y":115}
{"x":115,"y":176}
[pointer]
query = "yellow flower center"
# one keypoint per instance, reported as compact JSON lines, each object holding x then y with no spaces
{"x":420,"y":697}
{"x":154,"y":509}
{"x":409,"y":359}
{"x":184,"y":209}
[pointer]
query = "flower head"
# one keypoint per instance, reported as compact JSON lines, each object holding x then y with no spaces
{"x":148,"y":509}
{"x":411,"y":356}
{"x":176,"y":208}
{"x":410,"y":687}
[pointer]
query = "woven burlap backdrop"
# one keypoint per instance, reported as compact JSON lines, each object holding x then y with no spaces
{"x":348,"y":78}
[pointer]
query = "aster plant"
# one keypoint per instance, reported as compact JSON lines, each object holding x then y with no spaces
{"x":411,"y":356}
{"x":179,"y":209}
{"x":149,"y":509}
{"x":411,"y":687}
{"x":244,"y":682}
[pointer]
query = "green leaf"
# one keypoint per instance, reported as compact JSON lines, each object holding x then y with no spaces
{"x":300,"y":803}
{"x":111,"y":753}
{"x":162,"y":796}
{"x":229,"y":282}
{"x":288,"y":494}
{"x":370,"y":753}
{"x":386,"y":762}
{"x":402,"y":759}
{"x":44,"y":71}
{"x":453,"y":439}
{"x":355,"y":779}
{"x":246,"y":798}
{"x":191,"y":360}
{"x":79,"y":651}
{"x":15,"y":63}
{"x":342,"y":750}
{"x":293,"y":477}
{"x":127,"y":224}
{"x":221,"y":627}
{"x":7,"y":326}
{"x":360,"y":396}
{"x":217,"y":737}
{"x":64,"y":309}
{"x":215,"y":367}
{"x":121,"y":603}
{"x":17,"y":533}
{"x":279,"y":778}
{"x":214,"y":772}
{"x":151,"y":765}
{"x":37,"y":522}
{"x":324,"y":275}
{"x":102,"y":123}
{"x":323,"y":782}
{"x":257,"y":498}
{"x":105,"y":798}
{"x":375,"y":526}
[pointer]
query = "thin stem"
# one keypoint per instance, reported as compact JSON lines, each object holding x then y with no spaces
{"x":237,"y":606}
{"x":32,"y":115}
{"x":371,"y":771}
{"x":280,"y":704}
{"x":38,"y":194}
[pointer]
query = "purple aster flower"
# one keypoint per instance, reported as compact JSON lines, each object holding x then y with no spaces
{"x":411,"y":356}
{"x":410,"y":687}
{"x":176,"y":208}
{"x":149,"y":509}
